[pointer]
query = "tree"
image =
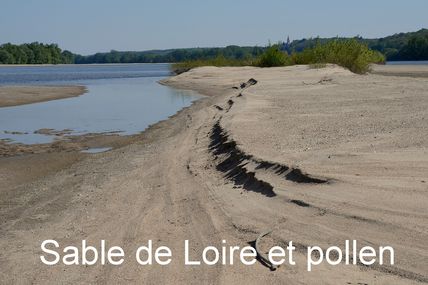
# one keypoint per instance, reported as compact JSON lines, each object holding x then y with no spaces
{"x":416,"y":49}
{"x":5,"y":57}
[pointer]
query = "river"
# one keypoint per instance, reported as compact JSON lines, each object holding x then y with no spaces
{"x":122,"y":98}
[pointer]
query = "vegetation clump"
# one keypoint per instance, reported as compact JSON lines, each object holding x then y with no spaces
{"x":351,"y":54}
{"x":400,"y":46}
{"x":273,"y":56}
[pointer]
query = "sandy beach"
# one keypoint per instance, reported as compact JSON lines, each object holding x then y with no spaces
{"x":20,"y":95}
{"x":316,"y":156}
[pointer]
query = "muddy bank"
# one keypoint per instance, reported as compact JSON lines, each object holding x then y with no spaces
{"x":21,"y":163}
{"x":65,"y":142}
{"x":20,"y":95}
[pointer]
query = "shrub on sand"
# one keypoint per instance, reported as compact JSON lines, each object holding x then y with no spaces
{"x":351,"y":54}
{"x":273,"y":56}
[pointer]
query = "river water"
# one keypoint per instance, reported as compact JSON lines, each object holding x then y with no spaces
{"x":413,"y":62}
{"x":122,"y":98}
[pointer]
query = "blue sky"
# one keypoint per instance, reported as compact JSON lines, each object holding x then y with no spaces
{"x":88,"y":26}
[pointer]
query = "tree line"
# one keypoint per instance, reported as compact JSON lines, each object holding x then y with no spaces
{"x":169,"y":56}
{"x":39,"y":53}
{"x":34,"y":53}
{"x":403,"y":46}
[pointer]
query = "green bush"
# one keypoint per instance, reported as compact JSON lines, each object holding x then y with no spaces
{"x":273,"y":56}
{"x":350,"y":54}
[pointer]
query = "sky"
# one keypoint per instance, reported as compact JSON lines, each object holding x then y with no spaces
{"x":89,"y":26}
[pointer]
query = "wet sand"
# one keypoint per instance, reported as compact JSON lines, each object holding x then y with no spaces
{"x":20,"y":95}
{"x":316,"y":155}
{"x":67,"y":143}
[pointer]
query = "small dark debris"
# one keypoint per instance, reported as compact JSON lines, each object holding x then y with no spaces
{"x":300,"y":203}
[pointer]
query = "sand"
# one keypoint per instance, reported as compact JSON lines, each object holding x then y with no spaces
{"x":66,"y":143}
{"x":316,"y":155}
{"x":20,"y":95}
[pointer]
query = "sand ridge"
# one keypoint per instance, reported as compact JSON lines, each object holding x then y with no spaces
{"x":20,"y":95}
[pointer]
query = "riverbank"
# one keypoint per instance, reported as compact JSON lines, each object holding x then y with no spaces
{"x":20,"y":95}
{"x":316,"y":155}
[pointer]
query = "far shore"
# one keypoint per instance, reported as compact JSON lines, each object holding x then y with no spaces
{"x":71,"y":64}
{"x":20,"y":95}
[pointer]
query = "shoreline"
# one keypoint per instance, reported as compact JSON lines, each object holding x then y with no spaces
{"x":172,"y":183}
{"x":404,"y":70}
{"x":71,"y":64}
{"x":16,"y":95}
